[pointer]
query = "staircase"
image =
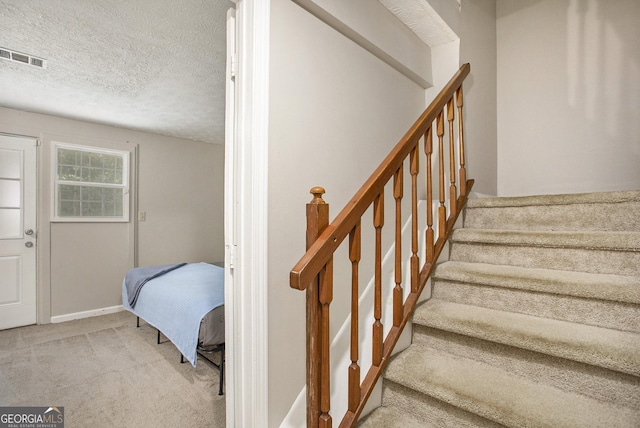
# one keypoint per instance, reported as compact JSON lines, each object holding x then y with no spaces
{"x":533,"y":322}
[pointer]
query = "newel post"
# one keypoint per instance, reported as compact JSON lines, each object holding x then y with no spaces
{"x":317,"y":221}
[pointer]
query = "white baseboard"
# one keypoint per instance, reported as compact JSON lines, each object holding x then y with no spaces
{"x":86,"y":314}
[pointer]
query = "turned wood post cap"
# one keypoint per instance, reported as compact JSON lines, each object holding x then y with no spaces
{"x":317,"y":193}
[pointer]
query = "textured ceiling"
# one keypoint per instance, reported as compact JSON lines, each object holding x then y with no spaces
{"x":423,"y":20}
{"x":150,"y":65}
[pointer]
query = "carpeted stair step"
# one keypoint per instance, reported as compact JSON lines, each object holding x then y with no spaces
{"x":568,"y":375}
{"x":496,"y":394}
{"x":391,"y":417}
{"x":600,"y":363}
{"x":533,"y":321}
{"x":604,"y":300}
{"x":605,"y":211}
{"x":408,"y":408}
{"x":607,"y":348}
{"x":593,"y":252}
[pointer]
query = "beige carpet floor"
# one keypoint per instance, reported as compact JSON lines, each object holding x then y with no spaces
{"x":105,"y":372}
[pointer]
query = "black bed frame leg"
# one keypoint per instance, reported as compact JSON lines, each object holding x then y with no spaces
{"x":222,"y":353}
{"x":220,"y":367}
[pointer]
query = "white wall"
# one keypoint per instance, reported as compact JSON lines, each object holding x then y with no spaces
{"x":568,"y":96}
{"x":474,"y":22}
{"x":335,"y":112}
{"x":361,"y":21}
{"x":180,"y":188}
{"x":478,"y":47}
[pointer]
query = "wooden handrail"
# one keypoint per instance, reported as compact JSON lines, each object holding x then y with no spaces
{"x":317,"y":255}
{"x":314,"y":271}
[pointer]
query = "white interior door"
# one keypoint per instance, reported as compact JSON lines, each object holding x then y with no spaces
{"x":17,"y":231}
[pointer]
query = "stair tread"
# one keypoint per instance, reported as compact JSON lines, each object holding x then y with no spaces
{"x":391,"y":417}
{"x":609,"y":240}
{"x":608,"y":348}
{"x":498,"y":395}
{"x":620,"y":288}
{"x":561,"y":199}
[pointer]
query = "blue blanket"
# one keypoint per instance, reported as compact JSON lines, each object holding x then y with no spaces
{"x":176,"y":302}
{"x":138,"y":277}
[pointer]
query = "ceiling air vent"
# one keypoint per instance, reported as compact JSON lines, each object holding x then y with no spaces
{"x":36,"y":62}
{"x":14,"y":56}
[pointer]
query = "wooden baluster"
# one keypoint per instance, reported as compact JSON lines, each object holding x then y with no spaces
{"x":314,"y":271}
{"x":463,"y":170}
{"x":326,"y":296}
{"x":378,"y":222}
{"x":355,"y":250}
{"x":428,"y":149}
{"x":317,"y":221}
{"x":453,"y":192}
{"x":398,"y":294}
{"x":442,"y":209}
{"x":415,"y":260}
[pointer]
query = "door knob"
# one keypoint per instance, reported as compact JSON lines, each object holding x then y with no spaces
{"x":28,"y":244}
{"x":29,"y":232}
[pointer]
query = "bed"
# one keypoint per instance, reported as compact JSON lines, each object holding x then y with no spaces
{"x":185,"y":302}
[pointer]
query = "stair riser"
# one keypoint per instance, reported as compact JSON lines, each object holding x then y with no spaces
{"x":602,"y":313}
{"x":595,"y":382}
{"x":430,"y":411}
{"x":608,"y":217}
{"x":571,"y":259}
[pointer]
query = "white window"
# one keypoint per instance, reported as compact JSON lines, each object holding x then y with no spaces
{"x":90,"y":184}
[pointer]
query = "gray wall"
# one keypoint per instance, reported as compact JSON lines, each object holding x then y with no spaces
{"x":478,"y":47}
{"x":181,"y":189}
{"x":475,"y":25}
{"x":568,"y":96}
{"x":81,"y":265}
{"x":335,"y":112}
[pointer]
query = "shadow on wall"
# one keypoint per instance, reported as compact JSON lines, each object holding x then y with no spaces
{"x":569,"y":91}
{"x":603,"y":76}
{"x":602,"y":64}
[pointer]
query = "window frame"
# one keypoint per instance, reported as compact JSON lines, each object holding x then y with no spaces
{"x":55,"y":183}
